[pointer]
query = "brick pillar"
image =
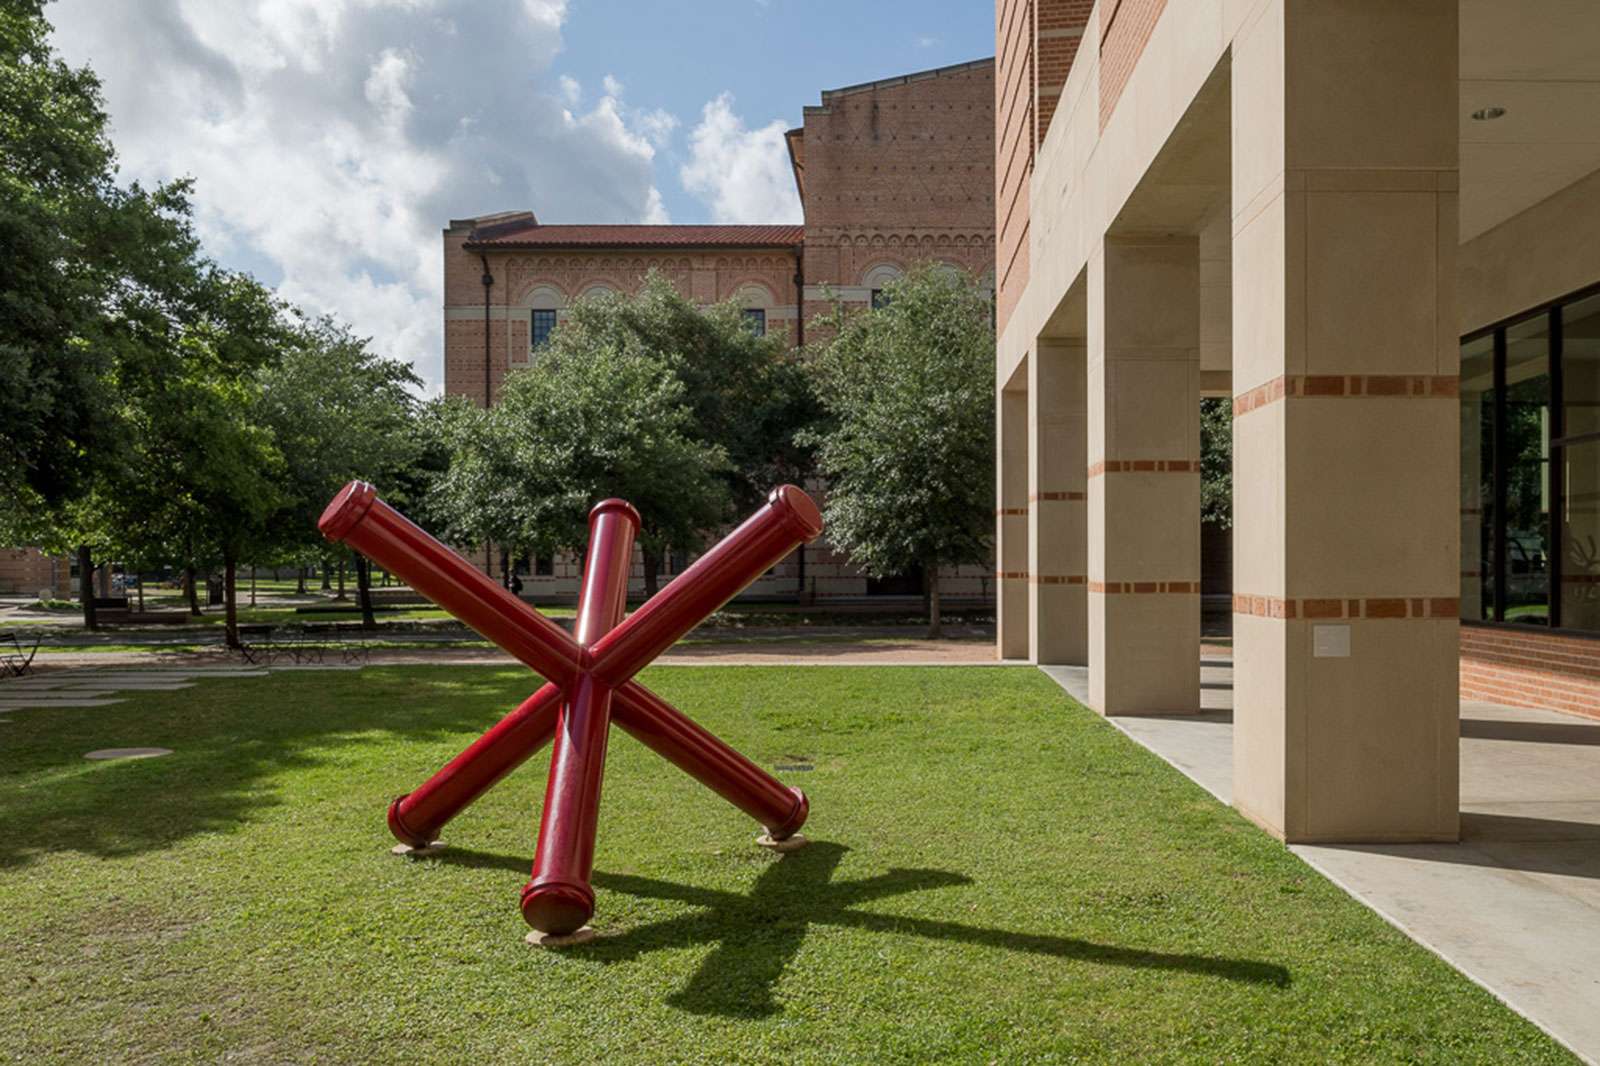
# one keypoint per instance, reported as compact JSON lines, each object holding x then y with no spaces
{"x":1057,"y":505}
{"x":1011,"y":522}
{"x":1144,"y":476}
{"x":1347,"y":421}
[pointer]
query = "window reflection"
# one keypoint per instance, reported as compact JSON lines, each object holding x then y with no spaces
{"x":1580,"y":480}
{"x":1526,"y":438}
{"x":1477,"y":478}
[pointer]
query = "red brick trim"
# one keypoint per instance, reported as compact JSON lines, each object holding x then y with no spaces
{"x":1352,"y":386}
{"x":1011,"y":512}
{"x":1038,"y":497}
{"x":1144,"y":466}
{"x":1124,"y":588}
{"x":1011,"y":575}
{"x":1442,"y":607}
{"x":1531,"y":669}
{"x":1059,"y":579}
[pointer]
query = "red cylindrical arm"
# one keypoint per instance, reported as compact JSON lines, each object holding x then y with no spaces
{"x":787,"y":520}
{"x":558,"y":898}
{"x":417,"y":817}
{"x":659,"y":726}
{"x":358,"y":518}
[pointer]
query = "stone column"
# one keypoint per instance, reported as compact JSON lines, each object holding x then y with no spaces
{"x":1058,"y":562}
{"x":1011,"y":521}
{"x":1144,"y":476}
{"x":1346,"y":420}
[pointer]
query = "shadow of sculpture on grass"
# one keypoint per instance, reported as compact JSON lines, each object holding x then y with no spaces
{"x":758,"y":935}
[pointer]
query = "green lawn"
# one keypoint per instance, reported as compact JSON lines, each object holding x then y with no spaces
{"x":995,"y":875}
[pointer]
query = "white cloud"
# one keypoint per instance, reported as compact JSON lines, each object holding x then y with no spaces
{"x":331,"y":140}
{"x":742,"y":174}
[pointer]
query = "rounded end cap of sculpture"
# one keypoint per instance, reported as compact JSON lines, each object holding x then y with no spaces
{"x":404,"y":833}
{"x":557,"y":908}
{"x":614,"y":506}
{"x":346,"y":510}
{"x":800,"y":508}
{"x":797,"y":818}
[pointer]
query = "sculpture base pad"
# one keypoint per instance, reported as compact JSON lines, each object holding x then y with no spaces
{"x":787,"y":844}
{"x":413,"y":852}
{"x":545,"y":940}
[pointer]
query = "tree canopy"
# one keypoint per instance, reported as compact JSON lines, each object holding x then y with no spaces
{"x":906,"y":447}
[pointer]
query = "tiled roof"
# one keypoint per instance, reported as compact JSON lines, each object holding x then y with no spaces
{"x":536,"y":236}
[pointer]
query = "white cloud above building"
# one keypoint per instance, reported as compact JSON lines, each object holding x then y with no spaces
{"x":331,"y":140}
{"x":741,"y":174}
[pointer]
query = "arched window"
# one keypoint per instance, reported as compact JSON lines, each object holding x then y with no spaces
{"x":544,"y":304}
{"x":596,"y":291}
{"x":754,"y":300}
{"x":876,"y":280}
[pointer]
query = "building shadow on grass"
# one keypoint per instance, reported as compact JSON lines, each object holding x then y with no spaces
{"x":758,"y":935}
{"x":231,"y":739}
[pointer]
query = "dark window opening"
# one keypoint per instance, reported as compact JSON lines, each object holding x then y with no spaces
{"x":755,"y":319}
{"x":544,"y":323}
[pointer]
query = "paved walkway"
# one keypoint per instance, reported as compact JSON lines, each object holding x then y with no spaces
{"x":1516,"y":905}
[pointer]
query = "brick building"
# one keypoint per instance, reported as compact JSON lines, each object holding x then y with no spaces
{"x":30,"y":572}
{"x":890,"y":173}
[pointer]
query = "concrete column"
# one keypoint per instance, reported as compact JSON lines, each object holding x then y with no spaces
{"x":1346,"y":427}
{"x":1058,"y":630}
{"x":1144,"y":476}
{"x":1011,"y":520}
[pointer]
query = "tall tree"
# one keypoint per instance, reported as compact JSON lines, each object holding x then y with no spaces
{"x":337,"y":411}
{"x":586,"y":421}
{"x":907,"y":445}
{"x":87,"y":266}
{"x":748,"y":394}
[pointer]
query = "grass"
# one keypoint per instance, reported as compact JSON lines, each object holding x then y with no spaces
{"x":995,"y":875}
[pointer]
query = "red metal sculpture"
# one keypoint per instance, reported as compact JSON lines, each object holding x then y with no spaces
{"x":590,"y":680}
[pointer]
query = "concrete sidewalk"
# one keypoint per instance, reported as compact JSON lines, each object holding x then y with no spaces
{"x":1516,"y":905}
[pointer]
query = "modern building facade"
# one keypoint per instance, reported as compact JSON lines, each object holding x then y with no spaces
{"x":1375,"y":226}
{"x":890,"y":173}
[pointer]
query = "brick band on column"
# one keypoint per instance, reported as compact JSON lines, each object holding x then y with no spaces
{"x":1347,"y":386}
{"x":1447,"y":608}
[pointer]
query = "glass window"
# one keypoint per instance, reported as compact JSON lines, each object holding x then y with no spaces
{"x":544,"y":565}
{"x":1526,"y":468}
{"x":544,"y":322}
{"x":1477,"y":479}
{"x":1580,"y":536}
{"x":756,"y":319}
{"x":1580,"y":465}
{"x":880,"y":299}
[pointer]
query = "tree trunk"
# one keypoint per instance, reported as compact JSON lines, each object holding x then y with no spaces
{"x":141,"y":593}
{"x":364,"y":590}
{"x":230,"y":601}
{"x":252,"y":584}
{"x":86,"y":587}
{"x":341,"y":595}
{"x":327,"y":581}
{"x":652,"y":567}
{"x":930,"y":574}
{"x":194,"y":595}
{"x":301,"y":587}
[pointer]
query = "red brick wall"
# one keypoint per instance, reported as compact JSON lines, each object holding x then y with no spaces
{"x":27,"y":572}
{"x":1530,"y":669}
{"x":1059,"y":27}
{"x":704,"y":275}
{"x":1014,"y":145}
{"x":899,"y":172}
{"x":1125,"y":28}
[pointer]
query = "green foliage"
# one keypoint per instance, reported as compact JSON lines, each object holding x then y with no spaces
{"x":1216,"y":461}
{"x":88,"y":269}
{"x":598,"y":414}
{"x":747,"y":395}
{"x":907,"y":450}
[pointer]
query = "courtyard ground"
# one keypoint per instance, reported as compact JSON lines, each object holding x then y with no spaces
{"x":996,"y":874}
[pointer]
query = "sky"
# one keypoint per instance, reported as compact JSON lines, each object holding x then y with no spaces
{"x":330,"y":141}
